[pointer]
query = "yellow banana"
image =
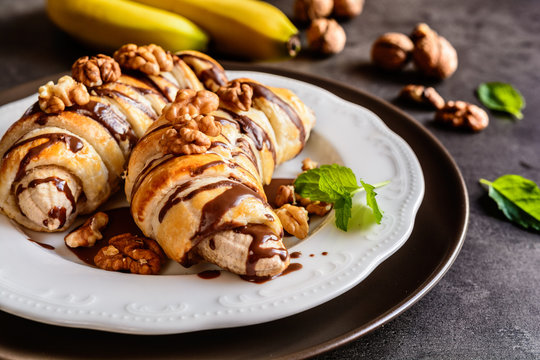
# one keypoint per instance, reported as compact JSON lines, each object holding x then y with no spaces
{"x":246,"y":28}
{"x":108,"y":24}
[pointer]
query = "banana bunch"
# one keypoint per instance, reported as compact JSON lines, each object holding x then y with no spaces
{"x":250,"y":29}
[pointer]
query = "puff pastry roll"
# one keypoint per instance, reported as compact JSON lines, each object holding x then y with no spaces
{"x":195,"y":179}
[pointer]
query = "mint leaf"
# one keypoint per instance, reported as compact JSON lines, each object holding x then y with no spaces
{"x":371,"y":202}
{"x":336,"y":184}
{"x":501,"y":97}
{"x":518,"y":198}
{"x":343,"y":208}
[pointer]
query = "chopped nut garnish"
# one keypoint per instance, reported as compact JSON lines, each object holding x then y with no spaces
{"x":294,"y":220}
{"x":89,"y":232}
{"x":392,"y":51}
{"x":236,"y":96}
{"x":433,"y":55}
{"x":463,"y":114}
{"x":96,"y":71}
{"x":55,"y":98}
{"x":319,"y":208}
{"x":150,"y":59}
{"x":127,"y":252}
{"x":422,"y":95}
{"x":285,"y":195}
{"x":308,"y":164}
{"x":191,"y":102}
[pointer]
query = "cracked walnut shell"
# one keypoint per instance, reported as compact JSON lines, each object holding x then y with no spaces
{"x":96,"y":71}
{"x":294,"y":220}
{"x":149,"y":59}
{"x":54,"y":98}
{"x":127,"y":252}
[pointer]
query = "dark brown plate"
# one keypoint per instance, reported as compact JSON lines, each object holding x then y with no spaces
{"x":392,"y":288}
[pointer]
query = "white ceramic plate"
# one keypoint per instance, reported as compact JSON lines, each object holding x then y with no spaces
{"x":54,"y":287}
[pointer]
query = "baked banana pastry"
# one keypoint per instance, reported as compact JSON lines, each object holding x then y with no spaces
{"x":66,"y":155}
{"x":194,"y":180}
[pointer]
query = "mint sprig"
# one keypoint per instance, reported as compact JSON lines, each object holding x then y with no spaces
{"x":336,"y":184}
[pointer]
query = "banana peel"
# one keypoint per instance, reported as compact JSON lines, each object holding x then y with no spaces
{"x":108,"y":24}
{"x":243,"y":28}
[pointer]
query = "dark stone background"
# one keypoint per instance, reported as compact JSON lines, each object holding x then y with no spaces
{"x":488,"y":304}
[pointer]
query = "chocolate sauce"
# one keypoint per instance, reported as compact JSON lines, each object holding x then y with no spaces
{"x":118,"y":126}
{"x":210,"y":76}
{"x":324,"y":253}
{"x":46,"y":246}
{"x":271,"y":190}
{"x":209,"y":274}
{"x":262,"y":279}
{"x":73,"y":143}
{"x":296,"y":255}
{"x":199,"y":170}
{"x":244,"y":148}
{"x":58,"y":213}
{"x":163,"y":126}
{"x":261,"y":91}
{"x":136,"y":104}
{"x":253,"y":130}
{"x":120,"y":222}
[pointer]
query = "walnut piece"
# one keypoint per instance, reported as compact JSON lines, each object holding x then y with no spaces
{"x":96,"y":71}
{"x":294,"y":220}
{"x":149,"y":59}
{"x":191,"y":102}
{"x":326,"y":36}
{"x":422,"y":95}
{"x":306,"y":10}
{"x":308,"y":164}
{"x":184,"y":140}
{"x":235,"y":96}
{"x":392,"y":51}
{"x":127,"y":252}
{"x":461,"y":114}
{"x":433,"y":55}
{"x":348,"y":8}
{"x":87,"y":234}
{"x":319,"y":208}
{"x":285,"y":195}
{"x":55,"y":98}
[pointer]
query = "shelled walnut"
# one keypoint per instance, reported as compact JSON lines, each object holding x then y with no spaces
{"x":149,"y":59}
{"x":87,"y":234}
{"x":285,"y":195}
{"x":95,"y":70}
{"x":191,"y":102}
{"x":235,"y":96}
{"x":54,"y":98}
{"x":422,"y":95}
{"x":294,"y":220}
{"x":461,"y":114}
{"x":127,"y":252}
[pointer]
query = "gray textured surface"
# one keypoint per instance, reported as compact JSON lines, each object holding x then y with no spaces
{"x":488,"y":304}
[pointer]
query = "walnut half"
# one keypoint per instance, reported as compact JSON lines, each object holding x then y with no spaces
{"x":294,"y":220}
{"x":127,"y":252}
{"x":54,"y":98}
{"x":236,"y":96}
{"x":149,"y":59}
{"x":95,"y":71}
{"x":89,"y":232}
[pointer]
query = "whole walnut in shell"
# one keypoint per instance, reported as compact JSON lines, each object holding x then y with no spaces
{"x":433,"y":55}
{"x":392,"y":51}
{"x":306,"y":10}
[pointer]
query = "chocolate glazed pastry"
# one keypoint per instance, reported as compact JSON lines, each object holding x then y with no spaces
{"x":195,"y":180}
{"x":65,"y":156}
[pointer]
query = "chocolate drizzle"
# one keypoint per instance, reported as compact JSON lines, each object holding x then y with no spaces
{"x":261,"y":91}
{"x":102,"y":113}
{"x":134,"y":103}
{"x":261,"y":234}
{"x":73,"y":143}
{"x":59,"y":213}
{"x":211,"y":75}
{"x":252,"y":129}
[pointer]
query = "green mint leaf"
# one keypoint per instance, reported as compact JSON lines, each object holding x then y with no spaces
{"x":327,"y":183}
{"x":371,"y":201}
{"x":342,"y":209}
{"x":501,"y":97}
{"x":518,"y":198}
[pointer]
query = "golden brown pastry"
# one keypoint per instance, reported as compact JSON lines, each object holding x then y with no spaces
{"x":195,"y":179}
{"x":65,"y":156}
